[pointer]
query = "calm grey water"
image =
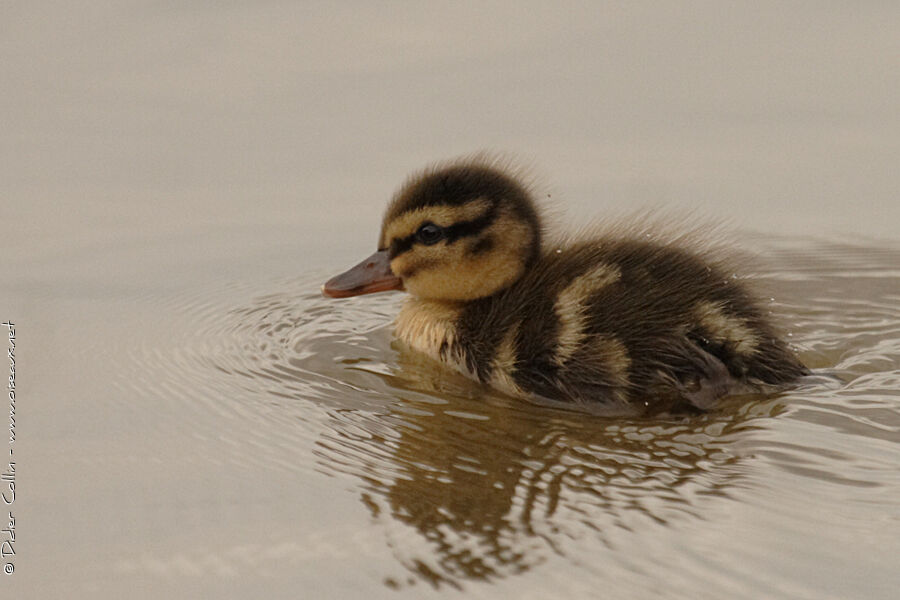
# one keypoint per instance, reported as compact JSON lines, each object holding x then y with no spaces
{"x":194,"y":420}
{"x":244,"y":433}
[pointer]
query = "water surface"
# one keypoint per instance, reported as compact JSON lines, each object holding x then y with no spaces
{"x":195,"y":420}
{"x":255,"y":426}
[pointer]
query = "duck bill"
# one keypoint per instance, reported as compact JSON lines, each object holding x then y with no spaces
{"x":371,"y":275}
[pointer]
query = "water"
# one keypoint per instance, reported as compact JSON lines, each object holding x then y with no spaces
{"x":194,"y":420}
{"x":255,"y":427}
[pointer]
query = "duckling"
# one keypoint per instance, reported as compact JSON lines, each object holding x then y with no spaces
{"x":617,"y":321}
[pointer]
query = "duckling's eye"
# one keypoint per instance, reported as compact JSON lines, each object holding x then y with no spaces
{"x":429,"y":234}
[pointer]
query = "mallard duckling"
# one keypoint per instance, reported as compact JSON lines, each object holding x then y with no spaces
{"x":623,"y":322}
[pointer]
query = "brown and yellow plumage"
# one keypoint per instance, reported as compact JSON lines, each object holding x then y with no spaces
{"x":615,"y":320}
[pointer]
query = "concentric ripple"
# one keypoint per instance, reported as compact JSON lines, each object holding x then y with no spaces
{"x":464,"y":485}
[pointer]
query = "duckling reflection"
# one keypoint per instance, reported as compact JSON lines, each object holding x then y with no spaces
{"x":494,"y":487}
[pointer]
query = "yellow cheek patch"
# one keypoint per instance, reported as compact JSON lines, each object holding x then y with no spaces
{"x":408,"y":223}
{"x":422,"y":259}
{"x":450,"y":272}
{"x":572,"y":305}
{"x":410,"y":264}
{"x":726,"y":328}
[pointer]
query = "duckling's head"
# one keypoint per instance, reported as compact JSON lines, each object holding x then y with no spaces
{"x":454,"y":233}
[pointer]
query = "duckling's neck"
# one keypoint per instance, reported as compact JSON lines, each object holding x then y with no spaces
{"x":430,"y":327}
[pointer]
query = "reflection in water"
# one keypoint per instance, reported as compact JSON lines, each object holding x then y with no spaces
{"x":465,"y":485}
{"x":493,"y":485}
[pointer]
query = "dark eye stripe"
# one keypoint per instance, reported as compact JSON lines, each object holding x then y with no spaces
{"x":485,"y":244}
{"x":401,"y":245}
{"x":451,"y":232}
{"x":473,"y":227}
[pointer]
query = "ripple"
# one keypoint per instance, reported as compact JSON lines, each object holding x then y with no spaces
{"x":464,"y":484}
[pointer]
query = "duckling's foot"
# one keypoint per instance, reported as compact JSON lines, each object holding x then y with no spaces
{"x":712,"y":381}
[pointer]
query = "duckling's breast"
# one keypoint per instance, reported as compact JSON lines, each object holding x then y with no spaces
{"x":483,"y":348}
{"x":430,"y":327}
